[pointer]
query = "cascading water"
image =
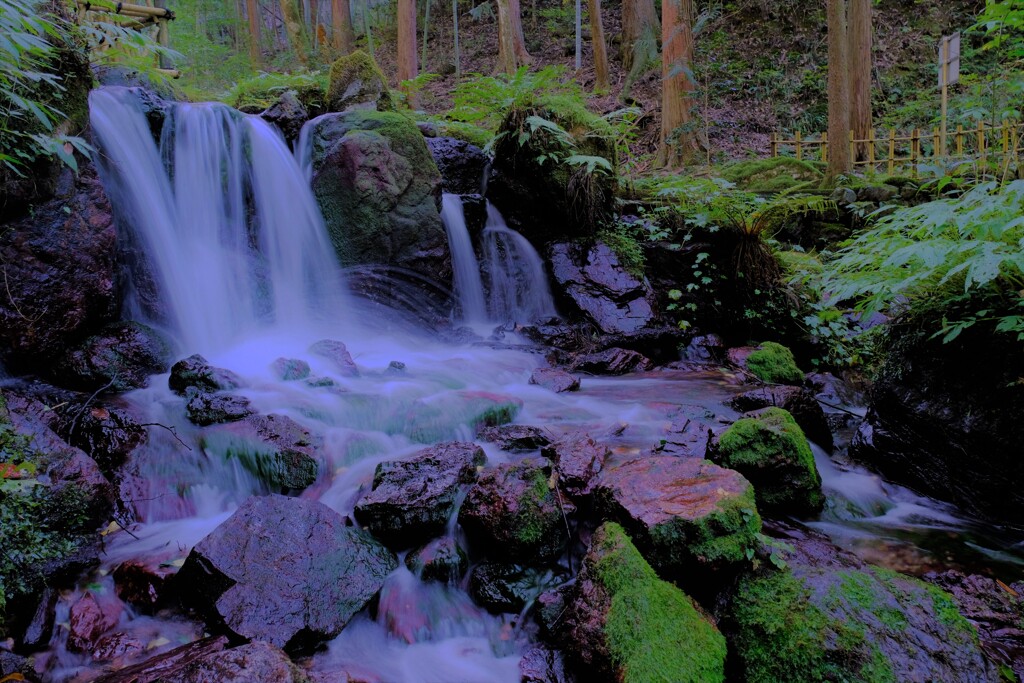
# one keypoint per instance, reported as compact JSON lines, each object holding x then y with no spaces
{"x":518,"y":288}
{"x":469,"y":289}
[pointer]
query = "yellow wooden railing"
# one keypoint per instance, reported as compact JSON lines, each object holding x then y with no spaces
{"x":153,"y":13}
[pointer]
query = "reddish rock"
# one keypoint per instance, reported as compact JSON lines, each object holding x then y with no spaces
{"x":578,"y":459}
{"x":515,"y":438}
{"x":555,"y":379}
{"x":689,"y":435}
{"x":139,"y":584}
{"x":614,"y":361}
{"x":90,"y":619}
{"x":338,"y":353}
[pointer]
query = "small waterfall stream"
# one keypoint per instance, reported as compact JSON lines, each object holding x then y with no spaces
{"x":469,"y":288}
{"x":518,"y":289}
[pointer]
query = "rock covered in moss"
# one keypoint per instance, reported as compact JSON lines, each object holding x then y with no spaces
{"x":378,"y":190}
{"x":770,"y":362}
{"x":685,"y":514}
{"x":828,"y":617}
{"x":275,"y":448}
{"x":121,"y":357}
{"x":799,"y":402}
{"x":357,"y":83}
{"x":513,"y":512}
{"x":770,"y":450}
{"x":623,"y":623}
{"x":413,"y":499}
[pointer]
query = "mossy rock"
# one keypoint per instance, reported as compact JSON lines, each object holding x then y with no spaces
{"x":467,"y":132}
{"x":774,"y":363}
{"x":773,"y":175}
{"x":358,"y":83}
{"x":624,"y":623}
{"x":843,"y":622}
{"x":772,"y":452}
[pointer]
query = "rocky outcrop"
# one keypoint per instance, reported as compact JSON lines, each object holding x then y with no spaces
{"x":613,"y":361}
{"x":413,"y":499}
{"x":205,"y":409}
{"x":515,"y":438}
{"x":613,"y":299}
{"x":378,"y":189}
{"x":275,"y":448}
{"x":623,"y":623}
{"x":60,"y":274}
{"x":119,"y":358}
{"x":288,"y":114}
{"x":358,"y":84}
{"x":690,"y":434}
{"x":462,"y":165}
{"x":284,"y":571}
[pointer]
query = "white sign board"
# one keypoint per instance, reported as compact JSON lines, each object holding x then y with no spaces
{"x":949,"y":60}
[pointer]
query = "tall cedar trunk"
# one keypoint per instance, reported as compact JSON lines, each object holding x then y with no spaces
{"x":406,"y":40}
{"x":860,"y":74}
{"x":293,"y":27}
{"x":511,"y":45}
{"x":314,"y":22}
{"x":252,"y":8}
{"x":677,"y":145}
{"x":838,"y":90}
{"x":639,"y":24}
{"x":600,"y":47}
{"x":341,"y":23}
{"x":455,"y":29}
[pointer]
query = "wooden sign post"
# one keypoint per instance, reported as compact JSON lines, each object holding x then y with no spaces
{"x":949,"y":73}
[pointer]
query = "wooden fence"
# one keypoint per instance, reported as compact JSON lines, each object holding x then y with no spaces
{"x":985,"y":143}
{"x":152,"y":14}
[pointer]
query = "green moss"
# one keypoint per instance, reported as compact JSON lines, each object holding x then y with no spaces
{"x":654,"y":631}
{"x":946,"y":611}
{"x":774,"y":363}
{"x":474,"y":135}
{"x":626,"y":248}
{"x":772,"y":175}
{"x":531,"y":523}
{"x":862,"y":590}
{"x":261,"y":91}
{"x":359,"y":66}
{"x":772,"y":452}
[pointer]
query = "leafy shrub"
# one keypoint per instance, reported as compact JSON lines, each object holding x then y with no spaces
{"x":484,"y":100}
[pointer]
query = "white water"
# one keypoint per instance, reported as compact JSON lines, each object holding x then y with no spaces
{"x":467,"y":285}
{"x":518,"y":289}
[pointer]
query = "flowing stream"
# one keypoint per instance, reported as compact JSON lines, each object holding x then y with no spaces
{"x":242,"y":262}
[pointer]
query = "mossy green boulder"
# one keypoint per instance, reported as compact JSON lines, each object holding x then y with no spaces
{"x":378,"y":189}
{"x":774,"y":363}
{"x":770,"y":450}
{"x":828,"y":617}
{"x":623,"y":623}
{"x":687,"y":516}
{"x":358,"y":83}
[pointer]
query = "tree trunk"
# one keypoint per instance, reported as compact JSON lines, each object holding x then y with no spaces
{"x":677,"y":143}
{"x":252,"y":8}
{"x":341,"y":23}
{"x":406,"y":40}
{"x":640,"y":30}
{"x":860,"y":74}
{"x":455,"y":29}
{"x":314,"y":22}
{"x":838,"y":90}
{"x":511,"y":45}
{"x":426,"y":29}
{"x":600,"y":47}
{"x":294,"y":28}
{"x":579,"y":34}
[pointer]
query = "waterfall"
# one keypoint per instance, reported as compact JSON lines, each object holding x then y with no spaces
{"x":232,"y":232}
{"x":518,"y":289}
{"x":468,"y":287}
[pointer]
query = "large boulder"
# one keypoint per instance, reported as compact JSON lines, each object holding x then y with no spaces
{"x":462,"y":165}
{"x":121,"y":357}
{"x":771,"y":451}
{"x":690,"y":433}
{"x":614,"y":299}
{"x":275,"y":448}
{"x":827,"y":616}
{"x":799,"y":402}
{"x":623,"y":623}
{"x":686,"y":515}
{"x":60,"y":274}
{"x":769,"y":362}
{"x":413,"y":499}
{"x":357,"y":83}
{"x":284,"y":571}
{"x":288,"y":114}
{"x":378,"y":189}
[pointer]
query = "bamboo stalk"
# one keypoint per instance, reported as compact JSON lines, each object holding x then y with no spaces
{"x":960,"y":139}
{"x":936,"y":144}
{"x":774,"y":145}
{"x":799,"y":149}
{"x":892,"y":151}
{"x":128,"y":10}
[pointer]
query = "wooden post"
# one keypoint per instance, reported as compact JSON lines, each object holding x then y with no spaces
{"x":871,"y":148}
{"x":799,"y":146}
{"x":853,"y":148}
{"x":981,"y":140}
{"x":774,"y":145}
{"x":824,"y":147}
{"x":960,"y":140}
{"x":915,"y":150}
{"x":163,"y":36}
{"x":892,"y":150}
{"x":1006,"y":138}
{"x":936,"y":145}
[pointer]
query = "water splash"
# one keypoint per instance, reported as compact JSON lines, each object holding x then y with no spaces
{"x":518,"y":289}
{"x":467,"y":285}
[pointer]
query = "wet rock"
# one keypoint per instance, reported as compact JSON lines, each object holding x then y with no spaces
{"x":395,"y":367}
{"x":378,"y":190}
{"x":288,"y":114}
{"x":797,"y":401}
{"x":12,"y":664}
{"x":60,"y":272}
{"x":828,"y":616}
{"x":205,"y":409}
{"x":768,"y":362}
{"x":119,"y":358}
{"x":320,"y":382}
{"x":166,"y":666}
{"x":704,"y":348}
{"x":107,"y":432}
{"x":288,"y":369}
{"x":284,"y":571}
{"x":771,"y":451}
{"x":614,"y":299}
{"x":578,"y":459}
{"x":684,"y":514}
{"x":612,"y":361}
{"x":512,"y":512}
{"x":275,"y":448}
{"x":622,"y":622}
{"x":89,"y":619}
{"x":541,"y":665}
{"x":358,"y":84}
{"x":997,"y":610}
{"x":117,"y":645}
{"x":462,"y":165}
{"x":141,"y":585}
{"x":555,"y":379}
{"x":689,"y":435}
{"x":40,"y":628}
{"x":196,"y":372}
{"x":500,"y":587}
{"x":440,"y":560}
{"x":515,"y":438}
{"x":257,"y":661}
{"x":337,"y":352}
{"x":554,"y":334}
{"x":414,"y":499}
